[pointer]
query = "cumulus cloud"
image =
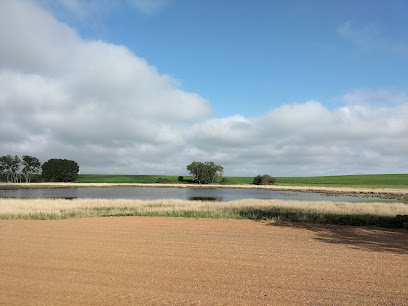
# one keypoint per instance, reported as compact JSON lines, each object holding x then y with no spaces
{"x":308,"y":138}
{"x":62,"y":96}
{"x":83,"y":95}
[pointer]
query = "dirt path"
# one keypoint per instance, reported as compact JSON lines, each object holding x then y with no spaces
{"x":143,"y":260}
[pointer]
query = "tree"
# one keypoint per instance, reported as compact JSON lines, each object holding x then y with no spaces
{"x":31,"y":165}
{"x":205,"y":173}
{"x":264,"y":180}
{"x":10,"y":167}
{"x":60,"y":170}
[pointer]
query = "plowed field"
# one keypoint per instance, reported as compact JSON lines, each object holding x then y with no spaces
{"x":144,"y":260}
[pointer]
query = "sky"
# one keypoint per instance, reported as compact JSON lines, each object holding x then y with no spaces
{"x":286,"y":88}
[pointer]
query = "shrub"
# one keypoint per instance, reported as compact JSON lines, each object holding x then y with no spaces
{"x":180,"y":179}
{"x":264,"y":180}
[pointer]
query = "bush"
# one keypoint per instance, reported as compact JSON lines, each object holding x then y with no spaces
{"x":180,"y":179}
{"x":264,"y":180}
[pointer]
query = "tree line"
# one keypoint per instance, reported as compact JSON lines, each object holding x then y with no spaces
{"x":14,"y":169}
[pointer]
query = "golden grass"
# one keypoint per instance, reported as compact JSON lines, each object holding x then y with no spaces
{"x":78,"y":208}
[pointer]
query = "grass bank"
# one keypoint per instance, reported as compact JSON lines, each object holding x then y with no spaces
{"x":393,"y":215}
{"x":395,"y":181}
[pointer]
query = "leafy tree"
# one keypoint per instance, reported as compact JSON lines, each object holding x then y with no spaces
{"x":31,"y":165}
{"x":10,"y":167}
{"x":60,"y":170}
{"x":264,"y":180}
{"x":205,"y":173}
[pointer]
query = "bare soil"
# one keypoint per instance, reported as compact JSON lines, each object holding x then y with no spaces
{"x":145,"y":260}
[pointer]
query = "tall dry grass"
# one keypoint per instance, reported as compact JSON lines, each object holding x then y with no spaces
{"x":379,"y":214}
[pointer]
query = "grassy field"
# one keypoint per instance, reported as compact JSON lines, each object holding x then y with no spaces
{"x":362,"y":214}
{"x":144,"y":179}
{"x":399,"y":181}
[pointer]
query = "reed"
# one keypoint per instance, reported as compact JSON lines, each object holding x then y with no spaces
{"x":364,"y":214}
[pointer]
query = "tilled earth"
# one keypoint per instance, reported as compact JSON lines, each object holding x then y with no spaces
{"x":144,"y":260}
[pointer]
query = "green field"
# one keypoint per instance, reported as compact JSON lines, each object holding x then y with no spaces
{"x":367,"y":181}
{"x":108,"y":178}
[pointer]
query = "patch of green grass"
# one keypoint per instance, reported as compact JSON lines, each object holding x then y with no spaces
{"x":141,"y":179}
{"x":237,"y":180}
{"x":368,"y":180}
{"x":363,"y":181}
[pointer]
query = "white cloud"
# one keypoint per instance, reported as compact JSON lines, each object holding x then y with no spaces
{"x":97,"y":103}
{"x":308,"y":139}
{"x":76,"y":94}
{"x":371,"y":37}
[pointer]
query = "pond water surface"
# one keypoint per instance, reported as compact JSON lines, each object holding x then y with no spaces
{"x":147,"y":193}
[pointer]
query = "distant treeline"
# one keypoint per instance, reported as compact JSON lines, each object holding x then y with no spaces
{"x":14,"y":169}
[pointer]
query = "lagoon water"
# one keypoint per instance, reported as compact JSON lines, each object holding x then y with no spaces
{"x":147,"y":193}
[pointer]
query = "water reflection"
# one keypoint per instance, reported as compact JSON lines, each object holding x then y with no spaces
{"x":146,"y":193}
{"x":212,"y":199}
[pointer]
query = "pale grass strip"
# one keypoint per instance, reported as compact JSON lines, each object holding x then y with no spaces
{"x":89,"y":207}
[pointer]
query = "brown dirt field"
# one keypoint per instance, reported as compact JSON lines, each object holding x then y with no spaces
{"x":144,"y":260}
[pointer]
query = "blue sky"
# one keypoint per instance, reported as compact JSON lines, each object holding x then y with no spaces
{"x":248,"y":56}
{"x":147,"y":87}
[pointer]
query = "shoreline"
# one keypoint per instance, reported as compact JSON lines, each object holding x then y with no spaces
{"x":384,"y":193}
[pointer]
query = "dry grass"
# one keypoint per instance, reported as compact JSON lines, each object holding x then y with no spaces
{"x":317,"y":212}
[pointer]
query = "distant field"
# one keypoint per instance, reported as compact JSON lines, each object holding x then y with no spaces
{"x":108,"y":178}
{"x":363,"y":181}
{"x":370,"y":181}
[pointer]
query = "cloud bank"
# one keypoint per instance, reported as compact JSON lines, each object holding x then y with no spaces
{"x":62,"y":96}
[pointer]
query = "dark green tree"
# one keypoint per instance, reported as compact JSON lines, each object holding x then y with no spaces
{"x":60,"y":170}
{"x":205,"y":173}
{"x":31,"y":165}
